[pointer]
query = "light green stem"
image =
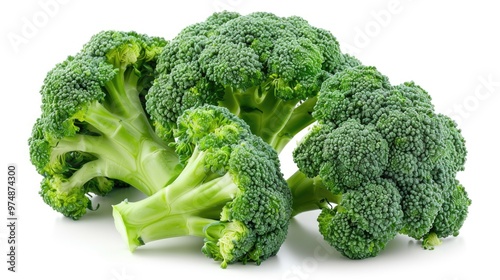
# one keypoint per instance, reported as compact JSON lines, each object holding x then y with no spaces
{"x":309,"y":193}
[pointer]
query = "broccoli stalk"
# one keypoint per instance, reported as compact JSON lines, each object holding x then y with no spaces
{"x":274,"y":119}
{"x":230,"y":192}
{"x":93,"y":132}
{"x":185,"y":207}
{"x":266,"y":114}
{"x":126,"y":149}
{"x":310,"y":193}
{"x":300,"y":118}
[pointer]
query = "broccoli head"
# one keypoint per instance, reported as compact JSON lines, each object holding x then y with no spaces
{"x":371,"y":133}
{"x":93,"y":132}
{"x":231,"y":192}
{"x":350,"y":161}
{"x":265,"y":69}
{"x":364,"y":220}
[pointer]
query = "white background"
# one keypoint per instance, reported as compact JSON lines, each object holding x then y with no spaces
{"x":450,"y":48}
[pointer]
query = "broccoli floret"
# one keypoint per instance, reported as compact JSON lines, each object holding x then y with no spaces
{"x":93,"y":131}
{"x":231,"y":192}
{"x":265,"y":69}
{"x":350,"y":161}
{"x":352,"y":94}
{"x":450,"y":218}
{"x":364,"y":220}
{"x":368,"y":132}
{"x":356,"y":154}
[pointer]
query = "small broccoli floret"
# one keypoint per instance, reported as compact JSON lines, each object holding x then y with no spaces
{"x":452,"y":215}
{"x":369,"y":130}
{"x":309,"y":157}
{"x":351,"y":94}
{"x":265,"y":69}
{"x":93,"y":131}
{"x":342,"y":158}
{"x":421,"y":202}
{"x":364,"y":220}
{"x":414,"y":142}
{"x":353,"y":154}
{"x":231,"y":192}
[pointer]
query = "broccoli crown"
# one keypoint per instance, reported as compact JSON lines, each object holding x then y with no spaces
{"x":453,"y":214}
{"x":39,"y":148}
{"x":247,"y":63}
{"x":73,"y":85}
{"x":128,"y":52}
{"x":209,"y":130}
{"x":364,"y":221}
{"x":87,"y":79}
{"x":69,"y":88}
{"x":262,"y":205}
{"x":93,"y":131}
{"x":352,"y":94}
{"x":370,"y":130}
{"x":345,"y":157}
{"x":231,"y":187}
{"x":124,"y":48}
{"x":251,"y":49}
{"x":308,"y":155}
{"x":357,"y":153}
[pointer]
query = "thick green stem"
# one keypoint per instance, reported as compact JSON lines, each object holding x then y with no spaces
{"x":431,"y":240}
{"x":123,"y":95}
{"x":138,"y":156}
{"x":275,"y":120}
{"x":193,"y":174}
{"x":87,"y":172}
{"x":299,"y":120}
{"x":180,"y":209}
{"x":309,"y":193}
{"x":266,"y":114}
{"x":147,"y":170}
{"x":230,"y":101}
{"x":164,"y":227}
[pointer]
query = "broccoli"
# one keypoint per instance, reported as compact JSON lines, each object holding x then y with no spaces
{"x":386,"y":159}
{"x":265,"y":69}
{"x":197,"y":123}
{"x":93,"y":133}
{"x":230,"y":192}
